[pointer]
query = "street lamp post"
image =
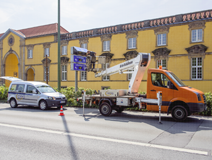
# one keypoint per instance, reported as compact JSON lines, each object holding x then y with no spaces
{"x":58,"y":39}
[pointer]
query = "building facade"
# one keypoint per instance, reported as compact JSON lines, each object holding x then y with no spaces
{"x":180,"y":43}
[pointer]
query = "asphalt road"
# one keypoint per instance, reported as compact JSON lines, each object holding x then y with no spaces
{"x":29,"y":133}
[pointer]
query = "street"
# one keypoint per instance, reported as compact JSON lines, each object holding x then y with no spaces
{"x":30,"y":133}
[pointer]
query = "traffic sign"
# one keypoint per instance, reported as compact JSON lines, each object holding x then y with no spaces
{"x":78,"y":59}
{"x":78,"y":67}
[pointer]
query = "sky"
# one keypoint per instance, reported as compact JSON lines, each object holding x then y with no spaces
{"x":78,"y":15}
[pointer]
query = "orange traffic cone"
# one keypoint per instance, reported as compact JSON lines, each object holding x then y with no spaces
{"x":61,"y":111}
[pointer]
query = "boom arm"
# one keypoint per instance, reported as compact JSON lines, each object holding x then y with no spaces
{"x":138,"y":65}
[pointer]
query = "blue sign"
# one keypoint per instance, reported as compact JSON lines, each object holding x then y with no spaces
{"x":78,"y":59}
{"x":78,"y":67}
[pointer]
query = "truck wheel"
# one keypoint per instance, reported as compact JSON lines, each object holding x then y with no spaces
{"x":13,"y":103}
{"x":179,"y":113}
{"x":105,"y":109}
{"x":43,"y":105}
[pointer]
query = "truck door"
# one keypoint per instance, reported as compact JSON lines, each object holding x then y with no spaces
{"x":159,"y":82}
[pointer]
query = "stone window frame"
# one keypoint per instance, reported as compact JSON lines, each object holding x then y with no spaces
{"x":106,"y":37}
{"x":66,"y":72}
{"x":132,"y":34}
{"x":46,"y":45}
{"x":63,"y":43}
{"x":83,"y":41}
{"x":44,"y":70}
{"x":64,"y":61}
{"x":161,"y":54}
{"x":30,"y":47}
{"x":196,"y":51}
{"x":86,"y":76}
{"x":194,"y":26}
{"x":157,"y":66}
{"x":161,"y":30}
{"x":107,"y":79}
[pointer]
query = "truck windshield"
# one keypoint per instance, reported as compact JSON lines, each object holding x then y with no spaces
{"x":176,"y":79}
{"x":46,"y":89}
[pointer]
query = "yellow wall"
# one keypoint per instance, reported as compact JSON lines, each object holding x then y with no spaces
{"x":178,"y":39}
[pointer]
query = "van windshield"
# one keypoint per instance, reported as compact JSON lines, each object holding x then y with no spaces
{"x":176,"y":79}
{"x":46,"y":89}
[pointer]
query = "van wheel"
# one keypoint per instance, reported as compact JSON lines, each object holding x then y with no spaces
{"x":179,"y":113}
{"x":43,"y":105}
{"x":105,"y":109}
{"x":13,"y":103}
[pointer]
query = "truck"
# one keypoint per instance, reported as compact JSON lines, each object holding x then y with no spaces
{"x":177,"y":98}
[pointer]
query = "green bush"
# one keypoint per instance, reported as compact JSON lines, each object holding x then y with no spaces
{"x":3,"y":92}
{"x":72,"y":96}
{"x":208,"y":97}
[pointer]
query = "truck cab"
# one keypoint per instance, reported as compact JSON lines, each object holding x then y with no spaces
{"x":177,"y":98}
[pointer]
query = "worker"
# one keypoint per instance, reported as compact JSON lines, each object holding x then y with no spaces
{"x":93,"y":59}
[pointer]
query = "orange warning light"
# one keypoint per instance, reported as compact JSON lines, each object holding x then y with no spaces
{"x":160,"y":67}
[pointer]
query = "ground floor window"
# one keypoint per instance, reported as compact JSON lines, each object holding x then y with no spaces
{"x":196,"y":68}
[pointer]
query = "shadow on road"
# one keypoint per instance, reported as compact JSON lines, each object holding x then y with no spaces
{"x":73,"y":152}
{"x":191,"y":124}
{"x":31,"y":109}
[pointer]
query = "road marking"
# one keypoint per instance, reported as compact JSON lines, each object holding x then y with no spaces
{"x":108,"y":139}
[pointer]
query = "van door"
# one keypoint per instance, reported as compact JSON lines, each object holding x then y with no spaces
{"x":159,"y":82}
{"x":20,"y":95}
{"x":32,"y":95}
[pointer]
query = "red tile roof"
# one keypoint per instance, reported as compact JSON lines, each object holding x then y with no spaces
{"x":40,"y":30}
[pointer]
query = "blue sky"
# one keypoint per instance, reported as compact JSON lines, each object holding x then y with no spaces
{"x":77,"y":15}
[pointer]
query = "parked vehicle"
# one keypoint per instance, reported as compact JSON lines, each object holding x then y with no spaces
{"x":177,"y":98}
{"x":33,"y":93}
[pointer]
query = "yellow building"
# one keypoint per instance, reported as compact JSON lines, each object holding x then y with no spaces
{"x":180,"y":43}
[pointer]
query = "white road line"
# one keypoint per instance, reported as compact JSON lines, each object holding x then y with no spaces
{"x":108,"y":139}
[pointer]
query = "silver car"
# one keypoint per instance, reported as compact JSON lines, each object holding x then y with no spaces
{"x":33,"y":93}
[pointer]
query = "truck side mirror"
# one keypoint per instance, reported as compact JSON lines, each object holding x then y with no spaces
{"x":171,"y":85}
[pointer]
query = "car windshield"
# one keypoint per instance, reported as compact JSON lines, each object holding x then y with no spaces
{"x":176,"y":79}
{"x":45,"y":89}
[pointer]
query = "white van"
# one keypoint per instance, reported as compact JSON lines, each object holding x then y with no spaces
{"x":33,"y":93}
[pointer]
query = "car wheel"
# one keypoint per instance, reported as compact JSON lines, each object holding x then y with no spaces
{"x":179,"y":113}
{"x":105,"y":109}
{"x":43,"y":105}
{"x":13,"y":103}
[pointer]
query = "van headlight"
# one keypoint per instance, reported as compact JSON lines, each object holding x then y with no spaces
{"x":52,"y":98}
{"x":199,"y":97}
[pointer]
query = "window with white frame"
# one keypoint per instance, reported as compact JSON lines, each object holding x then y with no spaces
{"x":161,"y":39}
{"x":46,"y":52}
{"x":84,"y":45}
{"x":45,"y":73}
{"x":29,"y":53}
{"x":105,"y":78}
{"x":196,"y":68}
{"x":196,"y":35}
{"x":131,"y":43}
{"x":161,"y":62}
{"x":83,"y":76}
{"x":64,"y":50}
{"x":64,"y":72}
{"x":129,"y":75}
{"x":106,"y":45}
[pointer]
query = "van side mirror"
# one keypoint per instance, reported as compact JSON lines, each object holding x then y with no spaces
{"x":34,"y":91}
